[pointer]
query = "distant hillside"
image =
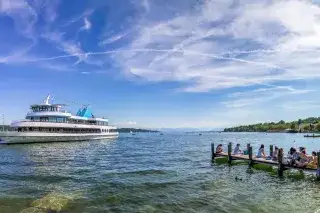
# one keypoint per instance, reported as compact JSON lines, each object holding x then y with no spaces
{"x":311,"y":124}
{"x":127,"y":130}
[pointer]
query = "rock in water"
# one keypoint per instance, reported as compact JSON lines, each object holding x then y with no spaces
{"x":52,"y":202}
{"x":33,"y":210}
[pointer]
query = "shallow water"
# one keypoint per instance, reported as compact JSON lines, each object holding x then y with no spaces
{"x":150,"y":173}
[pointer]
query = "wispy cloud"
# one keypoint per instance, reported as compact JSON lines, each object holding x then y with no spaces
{"x":261,"y":96}
{"x":113,"y":38}
{"x":79,"y":17}
{"x":87,"y":24}
{"x":69,"y":47}
{"x":145,"y":4}
{"x":295,"y":106}
{"x":197,"y":41}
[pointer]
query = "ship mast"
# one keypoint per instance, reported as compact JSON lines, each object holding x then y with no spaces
{"x":3,"y":122}
{"x":46,"y":100}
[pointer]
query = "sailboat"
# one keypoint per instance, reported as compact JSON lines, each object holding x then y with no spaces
{"x":132,"y":133}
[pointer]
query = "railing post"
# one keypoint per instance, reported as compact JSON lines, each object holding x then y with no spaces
{"x":213,"y":153}
{"x":318,"y":166}
{"x":229,"y":153}
{"x":271,"y":150}
{"x":250,"y":156}
{"x":280,"y":163}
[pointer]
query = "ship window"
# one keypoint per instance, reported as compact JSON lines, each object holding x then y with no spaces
{"x":44,"y":119}
{"x":61,"y":120}
{"x":53,"y":109}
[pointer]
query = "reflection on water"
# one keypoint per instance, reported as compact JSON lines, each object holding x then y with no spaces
{"x":149,"y":173}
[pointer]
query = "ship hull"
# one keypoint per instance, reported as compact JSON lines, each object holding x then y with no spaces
{"x":38,"y":137}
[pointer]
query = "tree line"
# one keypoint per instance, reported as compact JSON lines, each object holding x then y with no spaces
{"x":311,"y":124}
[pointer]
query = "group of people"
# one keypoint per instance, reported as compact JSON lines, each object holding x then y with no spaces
{"x":294,"y":157}
{"x":301,"y":159}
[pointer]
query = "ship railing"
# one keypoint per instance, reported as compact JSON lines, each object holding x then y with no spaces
{"x":68,"y":122}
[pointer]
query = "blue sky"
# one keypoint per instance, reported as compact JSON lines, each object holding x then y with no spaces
{"x":154,"y":64}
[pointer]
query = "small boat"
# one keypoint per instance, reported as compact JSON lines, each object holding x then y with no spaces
{"x":312,"y":136}
{"x":132,"y":133}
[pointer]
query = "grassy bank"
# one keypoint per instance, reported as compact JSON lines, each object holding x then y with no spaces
{"x":311,"y":124}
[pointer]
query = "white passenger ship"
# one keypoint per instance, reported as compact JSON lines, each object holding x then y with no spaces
{"x":50,"y":123}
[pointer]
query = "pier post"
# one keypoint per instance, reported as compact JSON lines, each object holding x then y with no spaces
{"x":213,"y":153}
{"x":280,"y":163}
{"x":250,"y":156}
{"x":318,"y":166}
{"x":271,"y":150}
{"x":229,"y":153}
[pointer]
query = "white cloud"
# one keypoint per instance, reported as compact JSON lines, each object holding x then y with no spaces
{"x":127,"y":124}
{"x":295,"y":106}
{"x":262,"y":96}
{"x":87,"y":24}
{"x":23,"y":15}
{"x":132,"y":123}
{"x":276,"y":43}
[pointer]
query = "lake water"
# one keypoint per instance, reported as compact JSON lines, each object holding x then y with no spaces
{"x":149,"y":173}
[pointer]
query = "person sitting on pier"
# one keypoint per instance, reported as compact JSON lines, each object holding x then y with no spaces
{"x":293,"y":156}
{"x":313,"y":163}
{"x":237,"y":150}
{"x":219,"y":149}
{"x":303,"y":159}
{"x":261,"y":153}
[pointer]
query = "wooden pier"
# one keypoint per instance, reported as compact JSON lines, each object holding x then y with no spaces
{"x":312,"y":136}
{"x":252,"y":159}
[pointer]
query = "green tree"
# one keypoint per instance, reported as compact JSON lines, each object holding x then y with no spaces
{"x":318,"y":127}
{"x":306,"y":128}
{"x":311,"y":127}
{"x":281,"y":122}
{"x":293,"y":126}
